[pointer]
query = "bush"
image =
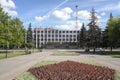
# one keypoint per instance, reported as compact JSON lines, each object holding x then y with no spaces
{"x":29,"y":45}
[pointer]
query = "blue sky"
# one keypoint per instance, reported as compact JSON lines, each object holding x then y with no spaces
{"x":60,"y":13}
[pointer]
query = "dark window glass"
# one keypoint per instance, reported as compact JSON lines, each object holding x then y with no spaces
{"x":38,"y":31}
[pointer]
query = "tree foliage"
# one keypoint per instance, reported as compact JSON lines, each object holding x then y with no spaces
{"x":83,"y":36}
{"x":114,"y":32}
{"x":29,"y":34}
{"x":94,"y":32}
{"x":11,"y":31}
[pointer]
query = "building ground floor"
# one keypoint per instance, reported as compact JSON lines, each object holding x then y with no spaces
{"x":59,"y":45}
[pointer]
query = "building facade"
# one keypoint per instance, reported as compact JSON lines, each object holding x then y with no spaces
{"x":49,"y":37}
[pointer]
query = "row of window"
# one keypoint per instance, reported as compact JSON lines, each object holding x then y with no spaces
{"x":57,"y":36}
{"x":57,"y":40}
{"x":57,"y":31}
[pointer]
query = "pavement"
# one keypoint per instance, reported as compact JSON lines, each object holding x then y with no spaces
{"x":12,"y":67}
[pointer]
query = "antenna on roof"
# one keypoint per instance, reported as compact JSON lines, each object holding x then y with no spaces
{"x":76,"y":16}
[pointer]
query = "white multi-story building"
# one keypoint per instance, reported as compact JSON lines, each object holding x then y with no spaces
{"x":45,"y":36}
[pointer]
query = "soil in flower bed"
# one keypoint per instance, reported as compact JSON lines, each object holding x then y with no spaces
{"x":70,"y":70}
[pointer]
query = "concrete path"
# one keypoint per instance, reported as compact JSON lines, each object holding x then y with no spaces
{"x":12,"y":67}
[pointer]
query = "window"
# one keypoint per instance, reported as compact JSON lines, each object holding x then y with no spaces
{"x":38,"y":31}
{"x":56,"y":31}
{"x":41,"y":31}
{"x":63,"y":35}
{"x":48,"y":31}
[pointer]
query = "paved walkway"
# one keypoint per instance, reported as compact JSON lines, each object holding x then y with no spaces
{"x":12,"y":67}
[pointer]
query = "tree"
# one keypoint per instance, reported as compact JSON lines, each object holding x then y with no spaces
{"x":4,"y":26}
{"x":29,"y":34}
{"x":11,"y":31}
{"x":94,"y":31}
{"x":105,"y":41}
{"x":114,"y":32}
{"x":29,"y":43}
{"x":82,"y":36}
{"x":18,"y":32}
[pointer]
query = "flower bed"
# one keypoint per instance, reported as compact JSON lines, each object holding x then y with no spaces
{"x":69,"y":70}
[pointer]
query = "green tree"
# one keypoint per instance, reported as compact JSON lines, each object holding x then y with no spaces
{"x":83,"y":36}
{"x":29,"y":43}
{"x":105,"y":41}
{"x":94,"y":31}
{"x":114,"y":32}
{"x":4,"y":26}
{"x":29,"y":34}
{"x":18,"y":32}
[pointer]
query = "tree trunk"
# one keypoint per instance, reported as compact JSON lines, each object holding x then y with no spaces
{"x":111,"y":48}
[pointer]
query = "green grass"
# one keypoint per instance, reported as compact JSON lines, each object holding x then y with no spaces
{"x":114,"y":54}
{"x":65,"y":53}
{"x":11,"y":54}
{"x":28,"y":76}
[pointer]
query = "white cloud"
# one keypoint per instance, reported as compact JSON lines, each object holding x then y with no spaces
{"x":83,"y":14}
{"x":103,"y":14}
{"x":110,"y":7}
{"x":8,"y":6}
{"x":41,"y":18}
{"x":63,"y":14}
{"x":69,"y":25}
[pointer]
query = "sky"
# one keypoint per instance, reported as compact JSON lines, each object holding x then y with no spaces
{"x":60,"y":14}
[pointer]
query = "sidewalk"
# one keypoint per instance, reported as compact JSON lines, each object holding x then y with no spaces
{"x":12,"y":67}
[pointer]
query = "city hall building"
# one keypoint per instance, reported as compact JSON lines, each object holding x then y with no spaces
{"x":55,"y":38}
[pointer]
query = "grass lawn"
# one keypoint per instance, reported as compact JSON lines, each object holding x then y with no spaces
{"x":65,"y":53}
{"x":114,"y":54}
{"x":28,"y":76}
{"x":11,"y":54}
